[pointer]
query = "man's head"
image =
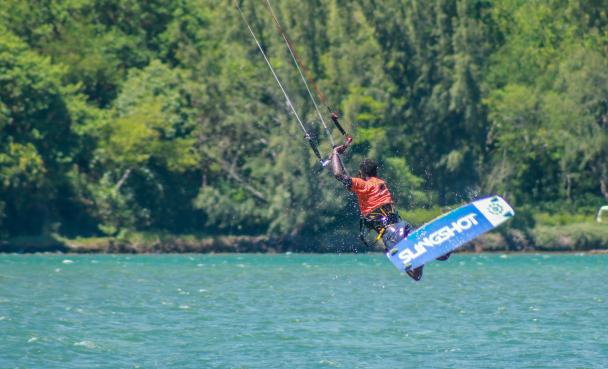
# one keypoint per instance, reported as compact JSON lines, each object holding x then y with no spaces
{"x":368,"y":168}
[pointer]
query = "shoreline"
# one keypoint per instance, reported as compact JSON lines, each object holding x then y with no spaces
{"x":458,"y":251}
{"x":511,"y":241}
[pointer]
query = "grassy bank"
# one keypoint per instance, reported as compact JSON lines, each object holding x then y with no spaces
{"x":562,"y":238}
{"x":135,"y":243}
{"x":570,"y":237}
{"x":138,"y":242}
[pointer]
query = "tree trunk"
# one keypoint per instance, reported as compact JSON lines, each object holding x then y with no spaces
{"x":604,"y":187}
{"x":122,"y":180}
{"x":230,"y":169}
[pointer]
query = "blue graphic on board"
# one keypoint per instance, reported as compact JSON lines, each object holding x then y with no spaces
{"x":449,"y":232}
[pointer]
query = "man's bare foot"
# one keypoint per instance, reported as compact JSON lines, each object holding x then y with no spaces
{"x":445,"y":257}
{"x":416,"y":274}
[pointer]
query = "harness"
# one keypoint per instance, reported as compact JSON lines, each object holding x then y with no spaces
{"x":378,"y":220}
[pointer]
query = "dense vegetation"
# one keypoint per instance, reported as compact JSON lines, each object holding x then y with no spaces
{"x":161,"y":115}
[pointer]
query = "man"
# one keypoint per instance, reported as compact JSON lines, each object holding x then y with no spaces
{"x":378,"y":211}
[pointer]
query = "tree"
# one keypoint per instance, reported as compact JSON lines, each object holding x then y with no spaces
{"x":39,"y":118}
{"x":143,"y":149}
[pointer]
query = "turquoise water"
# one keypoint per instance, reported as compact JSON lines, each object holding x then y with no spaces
{"x":302,"y":311}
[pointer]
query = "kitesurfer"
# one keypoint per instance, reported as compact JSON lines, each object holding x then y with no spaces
{"x":378,"y":211}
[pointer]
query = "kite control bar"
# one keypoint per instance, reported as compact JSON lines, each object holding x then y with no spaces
{"x":315,"y":149}
{"x":348,"y":139}
{"x":341,"y":148}
{"x":334,"y":118}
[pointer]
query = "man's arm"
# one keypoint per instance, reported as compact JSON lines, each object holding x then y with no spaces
{"x":338,"y":168}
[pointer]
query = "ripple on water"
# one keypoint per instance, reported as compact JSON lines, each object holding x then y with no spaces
{"x":302,"y":311}
{"x":86,"y":344}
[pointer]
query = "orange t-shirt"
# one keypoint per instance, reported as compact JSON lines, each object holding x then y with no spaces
{"x":371,"y":193}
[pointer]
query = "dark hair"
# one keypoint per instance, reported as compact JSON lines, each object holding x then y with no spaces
{"x":368,"y":168}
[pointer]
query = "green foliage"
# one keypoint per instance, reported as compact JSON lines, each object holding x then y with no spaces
{"x":148,"y":140}
{"x":546,"y":102}
{"x":550,"y":219}
{"x":571,"y":237}
{"x":420,"y":216}
{"x":405,"y":186}
{"x":36,"y":140}
{"x":161,"y":116}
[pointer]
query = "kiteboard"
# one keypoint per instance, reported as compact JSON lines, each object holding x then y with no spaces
{"x":449,"y":231}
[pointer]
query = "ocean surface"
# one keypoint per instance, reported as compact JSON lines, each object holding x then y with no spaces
{"x":302,"y":311}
